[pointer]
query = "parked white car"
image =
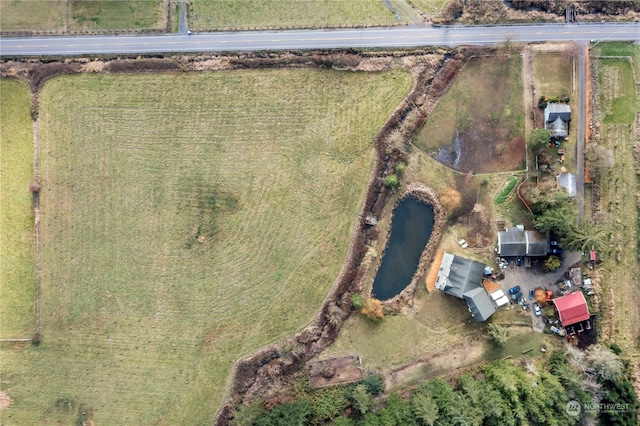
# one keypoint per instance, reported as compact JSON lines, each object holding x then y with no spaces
{"x":537,"y":310}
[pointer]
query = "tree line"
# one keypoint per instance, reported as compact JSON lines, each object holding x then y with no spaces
{"x":500,"y":393}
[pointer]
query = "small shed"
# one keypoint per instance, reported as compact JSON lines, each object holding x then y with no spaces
{"x":572,"y":308}
{"x":567,"y":181}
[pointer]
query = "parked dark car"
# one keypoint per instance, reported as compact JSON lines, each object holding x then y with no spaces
{"x":514,"y":290}
{"x":530,"y":294}
{"x":516,"y":296}
{"x":519,"y":261}
{"x":555,"y":250}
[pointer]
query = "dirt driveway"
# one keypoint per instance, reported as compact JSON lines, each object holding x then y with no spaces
{"x":530,"y":278}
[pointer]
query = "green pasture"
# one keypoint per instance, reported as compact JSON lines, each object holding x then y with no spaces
{"x":188,"y":220}
{"x":82,"y":15}
{"x":33,"y":15}
{"x":17,"y":234}
{"x":117,"y":15}
{"x":619,"y":104}
{"x":262,"y":14}
{"x":618,"y":99}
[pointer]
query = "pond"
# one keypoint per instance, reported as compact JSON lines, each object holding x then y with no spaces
{"x":410,"y":231}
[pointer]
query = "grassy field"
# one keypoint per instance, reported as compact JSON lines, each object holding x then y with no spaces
{"x":185,"y":227}
{"x":553,"y":74}
{"x":620,"y":103}
{"x":485,"y":107}
{"x":17,"y":245}
{"x":252,"y":14}
{"x":82,"y":15}
{"x":430,"y":7}
{"x":33,"y":15}
{"x":117,"y":15}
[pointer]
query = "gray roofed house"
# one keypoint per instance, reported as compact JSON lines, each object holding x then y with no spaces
{"x":556,"y":120}
{"x":480,"y":304}
{"x":458,"y":275}
{"x":462,"y":278}
{"x":518,"y":242}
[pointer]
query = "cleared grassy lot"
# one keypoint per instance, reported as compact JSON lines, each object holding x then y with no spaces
{"x":17,"y":241}
{"x":553,"y":74}
{"x":82,"y":15}
{"x":187,"y":220}
{"x":478,"y":124}
{"x":245,"y":14}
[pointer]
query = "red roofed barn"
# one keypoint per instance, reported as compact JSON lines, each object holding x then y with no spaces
{"x":572,"y":308}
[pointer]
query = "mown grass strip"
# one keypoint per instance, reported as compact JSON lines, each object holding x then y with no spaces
{"x":17,"y":244}
{"x":504,"y":193}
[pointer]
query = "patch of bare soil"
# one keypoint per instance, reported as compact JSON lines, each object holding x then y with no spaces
{"x":5,"y":400}
{"x":480,"y":234}
{"x":487,"y":149}
{"x":466,"y":353}
{"x":333,"y":372}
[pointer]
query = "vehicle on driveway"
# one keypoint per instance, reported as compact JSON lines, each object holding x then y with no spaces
{"x":514,"y":290}
{"x":516,"y":296}
{"x":548,"y":294}
{"x":537,"y":310}
{"x":519,"y":261}
{"x":530,"y":294}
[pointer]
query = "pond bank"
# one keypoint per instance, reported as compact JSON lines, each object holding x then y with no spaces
{"x":427,"y":196}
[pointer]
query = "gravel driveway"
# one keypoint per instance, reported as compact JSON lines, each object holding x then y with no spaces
{"x":530,"y":278}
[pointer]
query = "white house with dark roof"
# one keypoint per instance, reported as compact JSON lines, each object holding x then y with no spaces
{"x":556,"y":120}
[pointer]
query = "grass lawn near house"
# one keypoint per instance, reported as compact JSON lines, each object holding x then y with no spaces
{"x":17,"y":244}
{"x":520,"y":340}
{"x":263,"y":14}
{"x":185,"y":227}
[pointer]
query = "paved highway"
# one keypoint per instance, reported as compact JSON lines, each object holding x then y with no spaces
{"x":316,"y":39}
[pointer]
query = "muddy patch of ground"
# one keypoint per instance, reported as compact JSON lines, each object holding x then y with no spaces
{"x":478,"y":125}
{"x":468,"y":352}
{"x":5,"y":401}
